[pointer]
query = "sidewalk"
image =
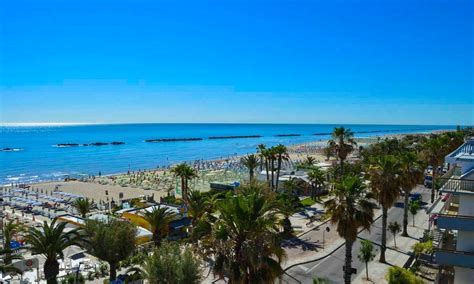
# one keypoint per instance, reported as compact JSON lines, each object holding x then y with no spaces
{"x":394,"y":256}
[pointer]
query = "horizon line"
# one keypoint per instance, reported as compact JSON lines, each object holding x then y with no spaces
{"x":59,"y":124}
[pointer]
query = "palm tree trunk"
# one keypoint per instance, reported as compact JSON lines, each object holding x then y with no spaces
{"x":51,"y":271}
{"x":367,"y":270}
{"x":273,"y":175}
{"x":348,"y":267}
{"x":413,"y":220}
{"x":278,"y":171}
{"x":113,"y":271}
{"x":183,"y":188}
{"x":405,"y":215}
{"x":251,"y":175}
{"x":267,"y":166}
{"x":8,"y":253}
{"x":384,"y":235}
{"x":433,"y":185}
{"x":395,"y":240}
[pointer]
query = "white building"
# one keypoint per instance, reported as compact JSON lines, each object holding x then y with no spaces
{"x":455,"y":219}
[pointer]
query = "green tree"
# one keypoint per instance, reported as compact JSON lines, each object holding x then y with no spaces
{"x":83,"y":206}
{"x":264,"y":159}
{"x":185,"y":173}
{"x":317,"y":178}
{"x":398,"y":275}
{"x":414,"y":206}
{"x":394,"y":228}
{"x":197,"y":206}
{"x":328,"y":152}
{"x":385,"y":182}
{"x":10,"y":229}
{"x":433,"y":155}
{"x":411,"y":173}
{"x":244,"y":239}
{"x":159,"y":219}
{"x":50,"y":241}
{"x":169,"y":264}
{"x":309,"y":161}
{"x":342,"y":143}
{"x":289,"y":205}
{"x":8,"y":268}
{"x":366,"y":255}
{"x":350,"y":208}
{"x":112,"y":241}
{"x":251,"y":162}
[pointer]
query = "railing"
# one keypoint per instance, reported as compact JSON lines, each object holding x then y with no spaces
{"x":456,"y":184}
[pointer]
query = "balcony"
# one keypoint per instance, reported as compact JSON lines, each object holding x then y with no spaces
{"x":448,"y":217}
{"x":456,"y":185}
{"x":447,"y":255}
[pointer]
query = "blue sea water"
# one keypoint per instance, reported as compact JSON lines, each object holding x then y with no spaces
{"x":39,"y":160}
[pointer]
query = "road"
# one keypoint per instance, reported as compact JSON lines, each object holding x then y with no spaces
{"x":331,"y":267}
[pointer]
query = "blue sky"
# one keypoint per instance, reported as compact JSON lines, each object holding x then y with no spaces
{"x":326,"y":61}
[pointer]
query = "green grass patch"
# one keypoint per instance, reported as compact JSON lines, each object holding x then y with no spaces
{"x":307,"y":201}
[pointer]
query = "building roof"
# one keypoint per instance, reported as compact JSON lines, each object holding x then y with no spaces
{"x":464,"y":152}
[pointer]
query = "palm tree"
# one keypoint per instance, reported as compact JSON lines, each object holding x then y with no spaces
{"x":251,"y":162}
{"x":410,"y":175}
{"x":111,"y":241}
{"x":264,"y":153}
{"x":50,"y":241}
{"x":281,"y":153}
{"x":309,"y":161}
{"x":83,"y":206}
{"x":197,"y":206}
{"x":385,"y":182}
{"x":170,"y":264}
{"x":433,"y":155}
{"x":317,"y":178}
{"x":159,"y":219}
{"x":366,"y":254}
{"x":245,"y":240}
{"x":185,"y":172}
{"x":10,"y":229}
{"x":350,"y":208}
{"x":271,"y":157}
{"x":260,"y":150}
{"x":8,"y":267}
{"x":343,"y":143}
{"x":394,"y":228}
{"x":414,"y":206}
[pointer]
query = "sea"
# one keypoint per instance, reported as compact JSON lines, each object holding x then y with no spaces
{"x":31,"y":153}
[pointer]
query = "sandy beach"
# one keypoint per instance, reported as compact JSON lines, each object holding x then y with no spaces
{"x":158,"y":181}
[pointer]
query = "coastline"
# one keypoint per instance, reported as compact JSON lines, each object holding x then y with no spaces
{"x":122,"y":183}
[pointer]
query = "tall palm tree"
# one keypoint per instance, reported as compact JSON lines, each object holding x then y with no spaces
{"x":281,"y":153}
{"x":159,"y":219}
{"x":83,"y":206}
{"x":185,"y":173}
{"x":10,"y":229}
{"x":263,"y":152}
{"x":411,"y":173}
{"x":245,"y":238}
{"x":111,"y":241}
{"x":317,"y":178}
{"x":343,"y":143}
{"x":271,"y":157}
{"x":384,"y":175}
{"x":50,"y":241}
{"x":350,"y":208}
{"x":433,"y":155}
{"x":251,"y":162}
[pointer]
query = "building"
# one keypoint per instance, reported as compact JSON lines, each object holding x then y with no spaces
{"x":454,"y":230}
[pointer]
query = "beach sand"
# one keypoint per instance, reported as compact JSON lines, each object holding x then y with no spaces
{"x":97,"y":191}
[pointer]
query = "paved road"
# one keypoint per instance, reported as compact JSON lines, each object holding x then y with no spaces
{"x":331,"y":267}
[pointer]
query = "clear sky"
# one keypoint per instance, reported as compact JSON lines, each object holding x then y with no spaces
{"x":327,"y":61}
